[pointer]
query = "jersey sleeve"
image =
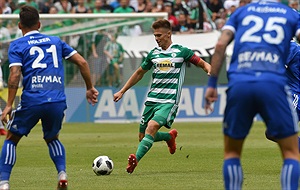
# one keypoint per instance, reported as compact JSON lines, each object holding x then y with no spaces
{"x":14,"y":55}
{"x":188,"y":54}
{"x":232,"y":22}
{"x":294,"y":51}
{"x":147,"y":63}
{"x":67,"y":51}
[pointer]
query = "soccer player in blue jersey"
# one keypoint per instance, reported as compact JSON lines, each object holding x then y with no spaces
{"x":293,"y":74}
{"x":38,"y":58}
{"x":293,"y":80}
{"x":257,"y":85}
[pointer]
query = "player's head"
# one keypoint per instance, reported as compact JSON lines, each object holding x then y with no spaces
{"x":162,"y":31}
{"x":29,"y":18}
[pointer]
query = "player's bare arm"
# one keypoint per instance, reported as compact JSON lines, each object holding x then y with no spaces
{"x":219,"y":54}
{"x":200,"y":63}
{"x":13,"y":85}
{"x":91,"y":92}
{"x":135,"y":77}
{"x":211,"y":94}
{"x":83,"y":67}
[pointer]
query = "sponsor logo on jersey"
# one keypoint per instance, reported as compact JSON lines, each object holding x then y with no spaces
{"x":38,"y":81}
{"x":246,"y":58}
{"x":165,"y":65}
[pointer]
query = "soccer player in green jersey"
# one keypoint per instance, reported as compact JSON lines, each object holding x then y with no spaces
{"x":168,"y":61}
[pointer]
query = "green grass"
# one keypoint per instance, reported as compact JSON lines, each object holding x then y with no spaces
{"x":197,"y":163}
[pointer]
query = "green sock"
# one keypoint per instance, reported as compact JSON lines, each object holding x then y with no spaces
{"x":162,"y":136}
{"x":144,"y":146}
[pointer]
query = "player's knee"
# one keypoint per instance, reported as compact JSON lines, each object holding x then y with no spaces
{"x":152,"y":128}
{"x":12,"y":137}
{"x":48,"y":140}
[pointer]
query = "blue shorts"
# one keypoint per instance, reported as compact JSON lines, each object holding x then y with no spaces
{"x":272,"y":101}
{"x":25,"y":118}
{"x":296,"y":103}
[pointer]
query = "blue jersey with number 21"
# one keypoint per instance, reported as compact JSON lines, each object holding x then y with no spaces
{"x":40,"y":57}
{"x":262,"y":32}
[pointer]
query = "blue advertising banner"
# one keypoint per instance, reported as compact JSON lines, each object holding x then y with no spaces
{"x":130,"y":107}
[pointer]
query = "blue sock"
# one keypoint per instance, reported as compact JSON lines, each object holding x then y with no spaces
{"x":233,"y":174}
{"x":290,"y":174}
{"x":57,"y":154}
{"x":7,"y":160}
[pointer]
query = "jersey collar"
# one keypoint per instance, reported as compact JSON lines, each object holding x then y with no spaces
{"x":167,"y":48}
{"x":32,"y":32}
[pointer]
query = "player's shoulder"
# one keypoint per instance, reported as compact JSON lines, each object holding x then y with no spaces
{"x":179,"y":48}
{"x":53,"y":38}
{"x":17,"y":43}
{"x":155,"y":50}
{"x":294,"y":45}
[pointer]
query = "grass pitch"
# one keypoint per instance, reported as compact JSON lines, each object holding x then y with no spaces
{"x":197,"y":163}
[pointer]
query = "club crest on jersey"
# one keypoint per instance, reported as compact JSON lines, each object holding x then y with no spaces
{"x":165,"y":65}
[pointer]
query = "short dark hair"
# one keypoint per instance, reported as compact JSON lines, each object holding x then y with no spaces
{"x":29,"y":16}
{"x":162,"y":23}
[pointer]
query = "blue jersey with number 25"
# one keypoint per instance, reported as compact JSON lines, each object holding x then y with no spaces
{"x":262,"y":32}
{"x":40,"y":57}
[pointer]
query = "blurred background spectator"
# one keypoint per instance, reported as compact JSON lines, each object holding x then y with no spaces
{"x":141,"y":6}
{"x":178,"y":8}
{"x":124,"y":7}
{"x":149,"y":7}
{"x":32,"y":3}
{"x":81,"y":7}
{"x":44,"y":6}
{"x":216,"y":8}
{"x":63,"y":6}
{"x":4,"y":7}
{"x":102,"y":7}
{"x":183,"y":27}
{"x":294,"y":4}
{"x":158,"y":6}
{"x":193,"y":18}
{"x":220,"y":22}
{"x":20,"y":3}
{"x":114,"y":52}
{"x":168,"y":6}
{"x":230,"y":6}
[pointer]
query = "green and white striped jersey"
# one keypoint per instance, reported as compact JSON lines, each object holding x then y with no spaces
{"x":114,"y":48}
{"x":168,"y":74}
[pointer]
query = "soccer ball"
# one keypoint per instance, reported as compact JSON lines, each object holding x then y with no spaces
{"x":103,"y":165}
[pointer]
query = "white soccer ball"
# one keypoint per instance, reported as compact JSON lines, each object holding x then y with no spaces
{"x":103,"y":165}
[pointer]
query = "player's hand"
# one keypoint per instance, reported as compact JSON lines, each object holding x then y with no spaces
{"x":118,"y":96}
{"x":92,"y":95}
{"x":211,"y":95}
{"x":6,"y":112}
